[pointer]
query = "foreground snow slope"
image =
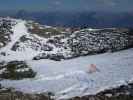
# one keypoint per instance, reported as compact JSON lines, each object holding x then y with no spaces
{"x":70,"y":78}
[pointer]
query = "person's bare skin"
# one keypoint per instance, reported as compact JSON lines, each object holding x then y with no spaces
{"x":93,"y":68}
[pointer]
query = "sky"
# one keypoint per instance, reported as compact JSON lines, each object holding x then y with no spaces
{"x":68,"y":5}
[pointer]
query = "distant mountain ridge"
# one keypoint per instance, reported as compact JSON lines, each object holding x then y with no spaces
{"x":78,"y":19}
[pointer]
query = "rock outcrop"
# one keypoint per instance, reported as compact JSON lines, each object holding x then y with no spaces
{"x":16,"y":70}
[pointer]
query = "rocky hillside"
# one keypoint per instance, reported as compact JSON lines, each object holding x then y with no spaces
{"x":15,"y":70}
{"x":93,"y":41}
{"x":58,"y":43}
{"x":123,"y":92}
{"x":6,"y":25}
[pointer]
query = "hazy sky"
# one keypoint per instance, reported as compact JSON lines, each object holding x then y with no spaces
{"x":52,"y":5}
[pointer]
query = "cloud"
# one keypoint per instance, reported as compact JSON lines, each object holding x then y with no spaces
{"x":108,"y":2}
{"x":57,"y":2}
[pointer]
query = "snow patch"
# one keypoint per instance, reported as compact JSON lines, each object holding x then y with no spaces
{"x":70,"y":78}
